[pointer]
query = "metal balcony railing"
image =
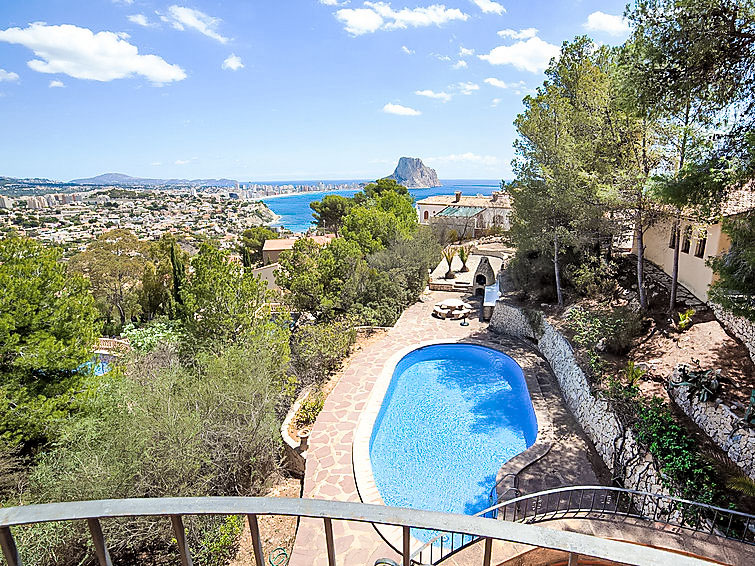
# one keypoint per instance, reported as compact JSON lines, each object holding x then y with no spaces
{"x":174,"y":509}
{"x":600,"y":502}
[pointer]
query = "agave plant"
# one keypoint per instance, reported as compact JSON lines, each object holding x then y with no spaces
{"x":703,"y":384}
{"x":448,"y":255}
{"x":464,"y":256}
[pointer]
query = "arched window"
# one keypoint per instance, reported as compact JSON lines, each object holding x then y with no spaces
{"x":427,"y":214}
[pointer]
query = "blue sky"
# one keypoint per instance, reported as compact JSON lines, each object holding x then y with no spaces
{"x":275,"y":89}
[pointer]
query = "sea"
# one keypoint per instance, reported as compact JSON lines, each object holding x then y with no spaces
{"x":296,"y":215}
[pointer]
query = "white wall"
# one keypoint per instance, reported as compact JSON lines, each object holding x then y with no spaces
{"x":694,"y":274}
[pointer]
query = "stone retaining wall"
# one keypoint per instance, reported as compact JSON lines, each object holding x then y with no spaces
{"x":739,"y":326}
{"x":721,"y":424}
{"x":615,"y":443}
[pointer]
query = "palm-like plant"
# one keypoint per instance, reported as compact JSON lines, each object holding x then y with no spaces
{"x":448,"y":255}
{"x":464,"y":256}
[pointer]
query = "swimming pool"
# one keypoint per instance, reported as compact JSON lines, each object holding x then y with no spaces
{"x":451,"y":416}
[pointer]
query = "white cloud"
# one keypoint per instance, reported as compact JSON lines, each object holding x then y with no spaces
{"x":83,"y":54}
{"x":532,"y":55}
{"x":467,"y":88}
{"x":444,"y":96}
{"x":490,"y":7}
{"x":464,"y":52}
{"x":495,"y":102}
{"x":360,"y":20}
{"x":127,"y":2}
{"x":460,"y":64}
{"x":181,"y":18}
{"x":607,"y":23}
{"x":140,"y":19}
{"x":156,"y":164}
{"x":521,"y":34}
{"x":182,"y":161}
{"x":376,"y":16}
{"x":56,"y":84}
{"x":8,"y":76}
{"x":469,"y":157}
{"x":232,"y":63}
{"x":400,"y":110}
{"x":501,"y":84}
{"x":406,"y":50}
{"x":441,"y":57}
{"x":334,"y":2}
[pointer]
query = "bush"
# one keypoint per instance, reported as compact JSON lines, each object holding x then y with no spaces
{"x":310,"y":408}
{"x":676,"y":451}
{"x":533,"y":274}
{"x":160,"y":331}
{"x":166,"y":430}
{"x":593,"y":277}
{"x":612,"y":330}
{"x":318,"y":349}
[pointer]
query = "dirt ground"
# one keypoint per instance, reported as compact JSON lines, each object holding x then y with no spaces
{"x":277,"y":533}
{"x":706,"y":343}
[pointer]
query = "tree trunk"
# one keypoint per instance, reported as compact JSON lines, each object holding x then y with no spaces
{"x":675,"y":268}
{"x":640,"y":237}
{"x":678,"y":219}
{"x":121,"y":314}
{"x":557,"y":271}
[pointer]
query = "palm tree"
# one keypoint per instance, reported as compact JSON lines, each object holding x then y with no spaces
{"x":464,"y":256}
{"x":448,"y":255}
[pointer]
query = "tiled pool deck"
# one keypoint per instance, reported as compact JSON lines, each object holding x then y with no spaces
{"x":570,"y":459}
{"x":330,"y":466}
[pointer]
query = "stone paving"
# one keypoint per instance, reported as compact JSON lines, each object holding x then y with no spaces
{"x":330,"y":468}
{"x":329,"y":472}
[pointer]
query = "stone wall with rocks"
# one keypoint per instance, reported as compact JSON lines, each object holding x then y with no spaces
{"x":739,"y":326}
{"x":615,"y":443}
{"x":722,"y":424}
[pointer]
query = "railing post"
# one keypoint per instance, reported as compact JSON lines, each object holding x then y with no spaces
{"x":329,"y":542}
{"x":573,"y":559}
{"x":180,"y":532}
{"x":9,"y":547}
{"x":407,"y":558}
{"x":100,"y":548}
{"x":488,"y":555}
{"x":254,"y":530}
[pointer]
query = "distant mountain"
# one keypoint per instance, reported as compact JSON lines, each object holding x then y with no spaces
{"x":414,"y":174}
{"x":126,"y":180}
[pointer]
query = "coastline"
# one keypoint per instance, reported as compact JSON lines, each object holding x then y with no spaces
{"x":326,"y":191}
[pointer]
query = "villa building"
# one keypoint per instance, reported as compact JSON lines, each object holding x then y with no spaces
{"x":700,"y":241}
{"x":272,"y":249}
{"x":469,"y":216}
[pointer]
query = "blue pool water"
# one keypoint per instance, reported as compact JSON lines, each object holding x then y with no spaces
{"x":452,"y":415}
{"x":296,"y":214}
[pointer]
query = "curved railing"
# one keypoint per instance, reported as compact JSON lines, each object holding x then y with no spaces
{"x":596,"y":502}
{"x":93,"y":512}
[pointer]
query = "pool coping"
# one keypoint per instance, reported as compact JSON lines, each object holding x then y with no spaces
{"x":362,"y":464}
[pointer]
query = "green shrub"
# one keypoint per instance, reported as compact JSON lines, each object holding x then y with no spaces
{"x":593,"y":277}
{"x":160,"y":331}
{"x":317,"y":350}
{"x":165,"y":430}
{"x":309,"y":409}
{"x":685,"y":319}
{"x":676,"y":451}
{"x":219,"y":543}
{"x":613,"y":330}
{"x":533,"y":274}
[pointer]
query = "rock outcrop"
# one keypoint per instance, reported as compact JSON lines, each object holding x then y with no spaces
{"x":414,"y":174}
